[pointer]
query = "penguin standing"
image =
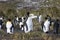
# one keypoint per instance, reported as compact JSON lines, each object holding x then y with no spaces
{"x":46,"y":26}
{"x":56,"y":26}
{"x":1,"y":21}
{"x":21,"y":24}
{"x":8,"y":26}
{"x":40,"y":18}
{"x":29,"y":22}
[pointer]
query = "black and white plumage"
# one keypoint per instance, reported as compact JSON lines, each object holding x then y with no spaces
{"x":29,"y":23}
{"x":1,"y":21}
{"x":56,"y":26}
{"x":8,"y":26}
{"x":46,"y":26}
{"x":40,"y":18}
{"x":21,"y":23}
{"x":16,"y":20}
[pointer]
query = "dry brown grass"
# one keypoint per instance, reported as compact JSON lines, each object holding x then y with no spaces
{"x":9,"y":11}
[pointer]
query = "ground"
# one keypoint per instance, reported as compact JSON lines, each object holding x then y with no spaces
{"x":8,"y":10}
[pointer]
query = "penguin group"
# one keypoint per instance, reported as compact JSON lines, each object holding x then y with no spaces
{"x":26,"y":23}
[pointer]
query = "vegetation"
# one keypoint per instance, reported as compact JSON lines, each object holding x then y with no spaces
{"x":8,"y":10}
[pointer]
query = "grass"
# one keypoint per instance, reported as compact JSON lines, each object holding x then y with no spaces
{"x":8,"y":10}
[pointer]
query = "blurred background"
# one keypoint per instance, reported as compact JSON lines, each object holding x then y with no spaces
{"x":11,"y":8}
